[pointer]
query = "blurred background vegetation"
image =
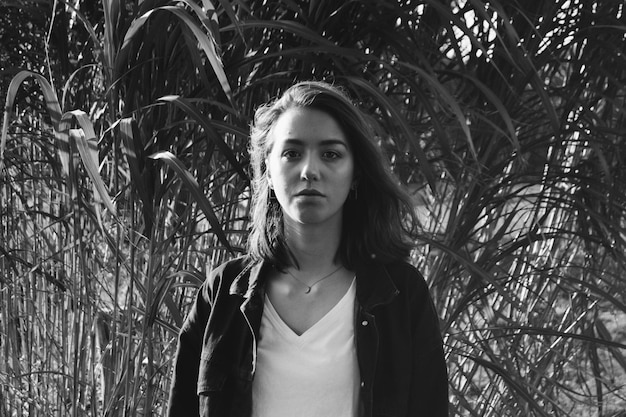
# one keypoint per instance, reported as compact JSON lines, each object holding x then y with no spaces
{"x":124,"y":179}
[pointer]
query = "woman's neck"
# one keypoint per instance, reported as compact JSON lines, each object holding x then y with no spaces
{"x":315,"y":247}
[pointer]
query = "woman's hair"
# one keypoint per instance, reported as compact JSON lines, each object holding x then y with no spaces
{"x":379,"y":221}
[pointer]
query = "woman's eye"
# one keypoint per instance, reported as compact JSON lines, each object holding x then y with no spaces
{"x":331,"y":155}
{"x":290,"y":154}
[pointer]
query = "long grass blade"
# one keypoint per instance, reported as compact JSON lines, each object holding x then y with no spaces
{"x":193,"y":186}
{"x":130,"y":138}
{"x":87,"y":145}
{"x":52,"y":105}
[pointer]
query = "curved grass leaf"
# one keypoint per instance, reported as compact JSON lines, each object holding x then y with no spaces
{"x":192,"y":185}
{"x":52,"y":105}
{"x":195,"y":278}
{"x":208,"y":19}
{"x":68,"y":83}
{"x":87,"y":145}
{"x":511,"y":330}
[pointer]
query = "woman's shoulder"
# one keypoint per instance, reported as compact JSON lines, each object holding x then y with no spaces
{"x":402,"y":269}
{"x":232,"y":265}
{"x":413,"y":289}
{"x":225,"y":273}
{"x":406,"y":276}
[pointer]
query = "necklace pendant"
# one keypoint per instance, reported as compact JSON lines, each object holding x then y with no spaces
{"x":310,"y":287}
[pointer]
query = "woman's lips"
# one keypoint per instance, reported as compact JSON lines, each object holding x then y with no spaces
{"x":309,"y":193}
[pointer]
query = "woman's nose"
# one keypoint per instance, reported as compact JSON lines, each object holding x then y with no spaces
{"x":310,"y":169}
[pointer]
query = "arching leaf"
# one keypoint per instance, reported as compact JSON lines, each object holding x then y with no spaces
{"x":194,"y":188}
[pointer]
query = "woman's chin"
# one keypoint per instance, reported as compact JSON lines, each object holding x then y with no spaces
{"x":314,"y":217}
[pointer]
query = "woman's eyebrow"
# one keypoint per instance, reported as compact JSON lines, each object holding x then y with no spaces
{"x":323,"y":142}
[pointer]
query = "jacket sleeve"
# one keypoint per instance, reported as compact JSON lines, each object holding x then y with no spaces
{"x":429,"y":388}
{"x":183,"y":400}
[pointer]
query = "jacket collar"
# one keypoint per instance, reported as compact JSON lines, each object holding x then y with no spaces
{"x":247,"y":281}
{"x":374,"y":284}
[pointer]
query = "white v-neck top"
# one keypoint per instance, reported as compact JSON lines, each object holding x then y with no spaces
{"x":315,"y":374}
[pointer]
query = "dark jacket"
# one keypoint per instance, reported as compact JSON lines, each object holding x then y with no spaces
{"x":399,"y":346}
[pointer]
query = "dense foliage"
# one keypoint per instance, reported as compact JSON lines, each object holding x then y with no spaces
{"x":124,"y":178}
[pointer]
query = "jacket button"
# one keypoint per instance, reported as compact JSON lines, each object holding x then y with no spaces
{"x":364,"y":323}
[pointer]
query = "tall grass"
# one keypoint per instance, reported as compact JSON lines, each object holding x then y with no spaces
{"x":124,"y":179}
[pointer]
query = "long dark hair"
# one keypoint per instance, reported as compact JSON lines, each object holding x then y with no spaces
{"x":379,"y":222}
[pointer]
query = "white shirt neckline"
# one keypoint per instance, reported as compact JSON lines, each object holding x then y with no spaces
{"x":311,"y":333}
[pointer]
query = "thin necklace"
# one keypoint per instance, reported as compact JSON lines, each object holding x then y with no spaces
{"x":310,"y":287}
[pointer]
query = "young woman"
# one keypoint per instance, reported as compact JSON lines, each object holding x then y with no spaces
{"x":323,"y":317}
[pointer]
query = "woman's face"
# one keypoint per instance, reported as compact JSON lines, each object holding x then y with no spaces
{"x":310,"y":166}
